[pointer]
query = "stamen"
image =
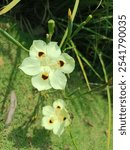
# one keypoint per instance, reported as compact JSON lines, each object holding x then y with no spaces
{"x":40,"y":54}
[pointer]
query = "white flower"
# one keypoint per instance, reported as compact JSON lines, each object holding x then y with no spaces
{"x":56,"y":118}
{"x":47,"y":65}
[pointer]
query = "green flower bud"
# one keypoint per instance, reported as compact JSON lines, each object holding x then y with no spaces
{"x":51,"y":26}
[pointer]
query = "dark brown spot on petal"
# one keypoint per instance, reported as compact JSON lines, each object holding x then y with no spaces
{"x":44,"y":77}
{"x":58,"y":107}
{"x":64,"y":118}
{"x":61,"y":63}
{"x":41,"y":54}
{"x":50,"y":121}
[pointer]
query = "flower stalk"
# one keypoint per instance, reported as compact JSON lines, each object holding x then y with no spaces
{"x":73,"y":141}
{"x":7,"y":35}
{"x":72,"y":17}
{"x":81,"y":65}
{"x":109,"y":102}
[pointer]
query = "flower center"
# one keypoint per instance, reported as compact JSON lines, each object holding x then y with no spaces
{"x":45,"y":76}
{"x":61,"y":63}
{"x":41,"y":54}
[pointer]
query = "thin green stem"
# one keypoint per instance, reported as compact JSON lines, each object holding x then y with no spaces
{"x":73,"y":16}
{"x":97,"y":6}
{"x":75,"y":9}
{"x":88,"y":30}
{"x":70,"y":47}
{"x":13,"y":40}
{"x":109,"y":101}
{"x":88,"y":63}
{"x":81,"y":65}
{"x":73,"y":141}
{"x":73,"y":92}
{"x":81,"y":25}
